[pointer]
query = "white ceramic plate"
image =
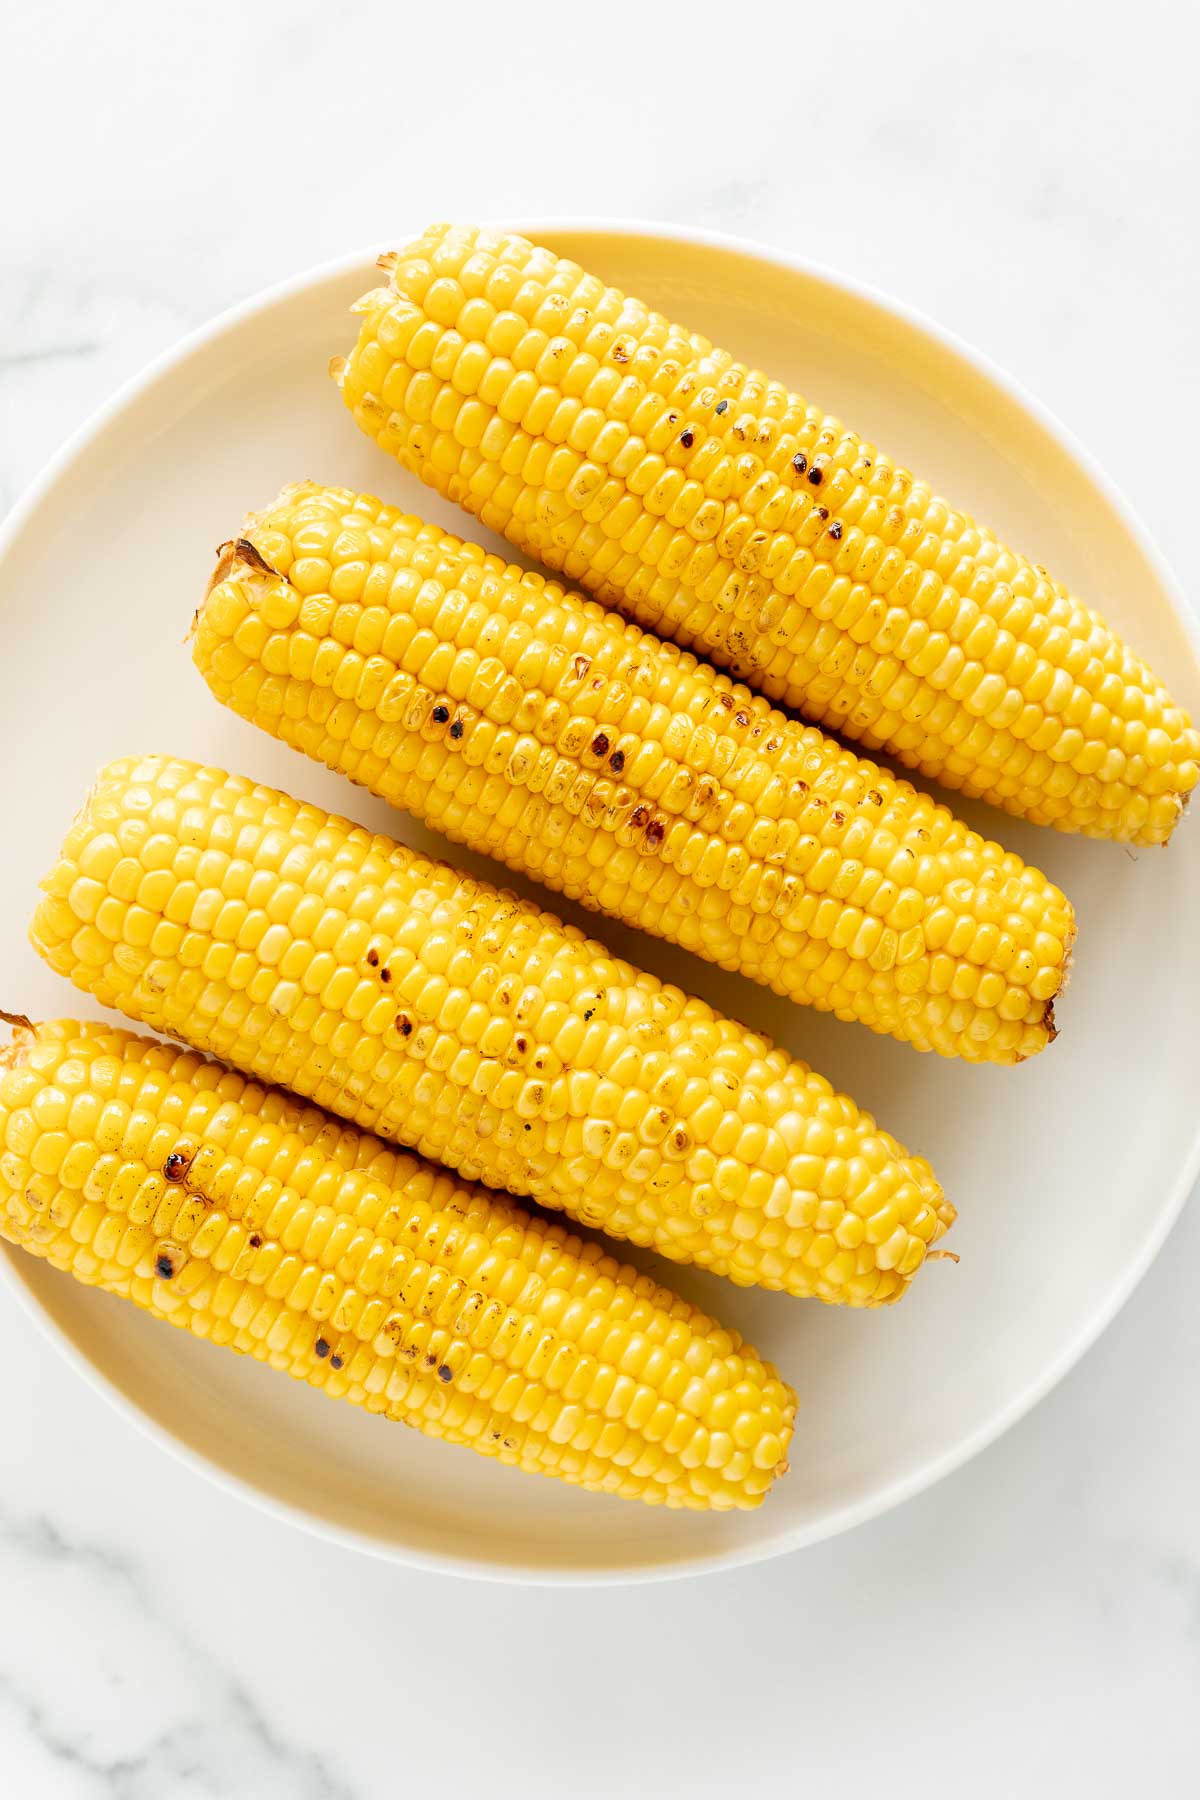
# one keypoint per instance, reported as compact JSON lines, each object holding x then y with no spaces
{"x":1067,"y":1171}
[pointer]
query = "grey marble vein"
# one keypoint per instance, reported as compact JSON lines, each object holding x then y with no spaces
{"x":219,"y":1743}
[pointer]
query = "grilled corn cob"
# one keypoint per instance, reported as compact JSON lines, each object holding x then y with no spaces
{"x":253,"y":1221}
{"x":720,"y":509}
{"x":532,"y":725}
{"x":468,"y":1023}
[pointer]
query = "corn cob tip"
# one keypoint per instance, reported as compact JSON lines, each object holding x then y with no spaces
{"x":1052,"y":1026}
{"x":933,"y":1193}
{"x":234,"y":552}
{"x":337,"y":368}
{"x":24,"y":1031}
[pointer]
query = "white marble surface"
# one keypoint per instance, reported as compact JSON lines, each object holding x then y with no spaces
{"x":1027,"y":174}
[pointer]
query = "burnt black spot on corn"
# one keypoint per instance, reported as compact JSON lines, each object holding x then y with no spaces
{"x":583,"y":1369}
{"x":777,"y":1170}
{"x":935,"y":642}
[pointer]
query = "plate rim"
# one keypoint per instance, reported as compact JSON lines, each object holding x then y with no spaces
{"x":1102,"y":1314}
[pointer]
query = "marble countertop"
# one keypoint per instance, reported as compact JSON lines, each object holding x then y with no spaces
{"x":1035,"y":1619}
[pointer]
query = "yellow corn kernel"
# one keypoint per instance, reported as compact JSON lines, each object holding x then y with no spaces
{"x":643,"y":784}
{"x":454,"y":1248}
{"x":416,"y":951}
{"x":715,"y":506}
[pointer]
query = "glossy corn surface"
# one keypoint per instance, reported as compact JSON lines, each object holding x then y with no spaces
{"x":531,"y":724}
{"x":720,"y":509}
{"x":438,"y":1011}
{"x":256,"y":1222}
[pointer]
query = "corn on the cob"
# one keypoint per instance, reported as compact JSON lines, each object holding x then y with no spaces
{"x":530,"y":724}
{"x":255,"y":1222}
{"x":722,"y":510}
{"x":463,"y":1021}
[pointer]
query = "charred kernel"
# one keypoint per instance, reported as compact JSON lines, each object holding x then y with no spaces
{"x":456,"y":730}
{"x":336,"y":1362}
{"x":616,"y":761}
{"x":176,"y":1166}
{"x":639,"y":815}
{"x":254,"y":1241}
{"x":404,"y":1025}
{"x":445,"y":1372}
{"x":600,"y":744}
{"x":799,"y":462}
{"x":373,"y":957}
{"x":441,"y":714}
{"x":321,"y":1347}
{"x":721,"y":406}
{"x":164,"y":1266}
{"x":656,"y":831}
{"x":385,"y":975}
{"x":687,"y":438}
{"x":835,"y":530}
{"x":814,"y":475}
{"x":741,"y":718}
